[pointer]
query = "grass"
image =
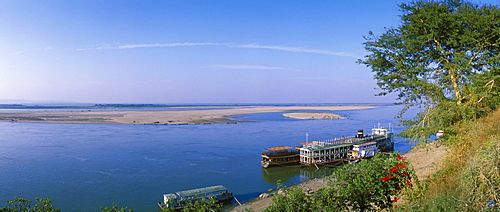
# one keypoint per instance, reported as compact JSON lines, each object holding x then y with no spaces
{"x":470,"y":178}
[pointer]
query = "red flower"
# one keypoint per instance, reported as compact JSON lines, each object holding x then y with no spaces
{"x":402,"y":165}
{"x":394,"y":169}
{"x":405,"y":174}
{"x":401,"y":157}
{"x":388,"y":177}
{"x":408,"y":182}
{"x":395,"y":199}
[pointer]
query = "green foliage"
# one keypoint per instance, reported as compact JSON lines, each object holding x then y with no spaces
{"x":367,"y":185}
{"x":115,"y":208}
{"x":444,"y":56}
{"x":24,"y":205}
{"x":370,"y":184}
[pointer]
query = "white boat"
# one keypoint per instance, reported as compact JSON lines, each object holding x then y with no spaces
{"x":341,"y":149}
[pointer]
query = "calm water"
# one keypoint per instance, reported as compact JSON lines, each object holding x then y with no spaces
{"x":82,"y":167}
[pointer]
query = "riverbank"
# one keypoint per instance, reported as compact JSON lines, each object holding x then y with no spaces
{"x":186,"y":115}
{"x":426,"y":160}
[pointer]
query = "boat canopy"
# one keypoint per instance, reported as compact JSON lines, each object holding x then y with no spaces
{"x":279,"y":148}
{"x":200,"y":191}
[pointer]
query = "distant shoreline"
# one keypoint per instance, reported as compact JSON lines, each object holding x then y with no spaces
{"x":186,"y":115}
{"x":171,"y":106}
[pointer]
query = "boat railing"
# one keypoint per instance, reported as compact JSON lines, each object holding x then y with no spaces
{"x":333,"y":141}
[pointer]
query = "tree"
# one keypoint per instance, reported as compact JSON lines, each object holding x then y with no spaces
{"x":24,"y":205}
{"x":115,"y":208}
{"x":444,"y":54}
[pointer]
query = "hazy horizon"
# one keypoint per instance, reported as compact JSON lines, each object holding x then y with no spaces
{"x":54,"y":103}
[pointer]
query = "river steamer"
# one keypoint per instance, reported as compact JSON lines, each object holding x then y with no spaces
{"x":346,"y":148}
{"x":278,"y":156}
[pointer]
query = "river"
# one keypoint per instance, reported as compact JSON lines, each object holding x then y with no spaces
{"x":82,"y":167}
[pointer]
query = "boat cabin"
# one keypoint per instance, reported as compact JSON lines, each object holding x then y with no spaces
{"x":323,"y":152}
{"x":275,"y":156}
{"x":365,"y":150}
{"x":177,"y":199}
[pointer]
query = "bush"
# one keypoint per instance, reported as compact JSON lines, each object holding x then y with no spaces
{"x":364,"y":186}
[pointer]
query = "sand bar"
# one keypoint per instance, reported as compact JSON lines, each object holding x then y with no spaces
{"x":313,"y":115}
{"x":184,"y":116}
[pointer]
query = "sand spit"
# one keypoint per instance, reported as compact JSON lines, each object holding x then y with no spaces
{"x":426,"y":160}
{"x":174,"y":117}
{"x":313,"y":115}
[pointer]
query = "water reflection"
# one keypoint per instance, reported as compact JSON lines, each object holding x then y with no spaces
{"x":294,"y":174}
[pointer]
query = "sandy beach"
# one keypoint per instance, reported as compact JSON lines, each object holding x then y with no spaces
{"x":174,"y":117}
{"x":426,"y":160}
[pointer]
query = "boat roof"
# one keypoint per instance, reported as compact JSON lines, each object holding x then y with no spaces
{"x":307,"y":143}
{"x":330,"y":146}
{"x":318,"y":147}
{"x":200,"y":191}
{"x":279,"y":148}
{"x":364,"y":144}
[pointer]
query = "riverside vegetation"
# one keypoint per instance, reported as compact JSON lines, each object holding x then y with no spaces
{"x":444,"y":58}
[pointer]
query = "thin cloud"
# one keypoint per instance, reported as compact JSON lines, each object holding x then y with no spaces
{"x":247,"y":67}
{"x":164,"y":45}
{"x":295,"y":49}
{"x":134,"y":46}
{"x":231,"y":45}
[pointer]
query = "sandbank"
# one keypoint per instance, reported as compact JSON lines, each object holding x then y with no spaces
{"x":174,"y":117}
{"x":313,"y":115}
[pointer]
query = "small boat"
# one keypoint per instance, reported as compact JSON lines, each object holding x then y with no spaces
{"x":282,"y":155}
{"x":180,"y":198}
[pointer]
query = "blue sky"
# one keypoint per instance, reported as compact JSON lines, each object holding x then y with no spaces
{"x":183,"y":51}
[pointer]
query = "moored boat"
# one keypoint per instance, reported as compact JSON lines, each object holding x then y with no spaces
{"x":346,"y":148}
{"x":180,"y":198}
{"x":278,"y":156}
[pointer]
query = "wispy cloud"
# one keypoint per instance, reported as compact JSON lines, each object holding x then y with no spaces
{"x":247,"y":67}
{"x":231,"y":45}
{"x":295,"y":49}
